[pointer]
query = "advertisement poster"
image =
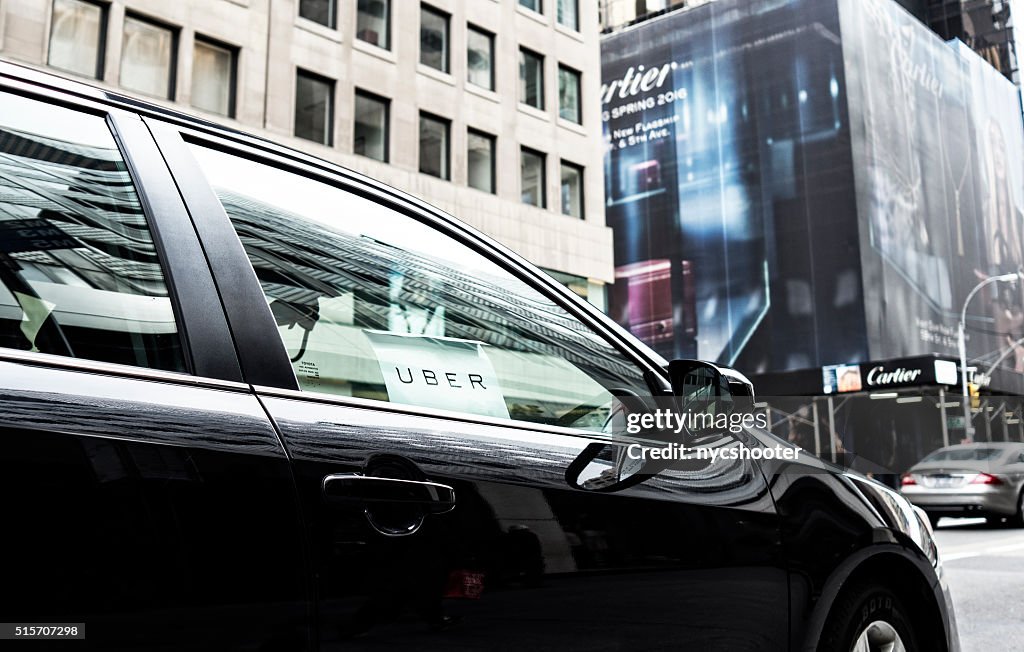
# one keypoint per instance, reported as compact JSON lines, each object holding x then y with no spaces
{"x":938,"y":148}
{"x":729,"y":184}
{"x":804,"y":183}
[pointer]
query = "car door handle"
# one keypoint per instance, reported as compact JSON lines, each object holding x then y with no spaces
{"x":432,"y":497}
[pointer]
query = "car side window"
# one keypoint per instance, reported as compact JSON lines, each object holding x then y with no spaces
{"x":79,"y":273}
{"x":374,"y":304}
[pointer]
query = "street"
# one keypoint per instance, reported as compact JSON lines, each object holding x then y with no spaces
{"x":985,"y":569}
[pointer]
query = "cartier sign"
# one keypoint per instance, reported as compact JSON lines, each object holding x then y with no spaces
{"x":879,"y":376}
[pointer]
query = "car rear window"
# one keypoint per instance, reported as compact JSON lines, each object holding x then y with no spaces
{"x":964,"y":455}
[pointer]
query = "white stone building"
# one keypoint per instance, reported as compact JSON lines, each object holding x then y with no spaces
{"x":485,"y":108}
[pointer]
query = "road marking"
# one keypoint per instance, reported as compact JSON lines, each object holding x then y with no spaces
{"x":978,"y":552}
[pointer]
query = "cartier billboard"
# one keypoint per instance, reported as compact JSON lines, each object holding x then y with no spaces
{"x":804,"y":183}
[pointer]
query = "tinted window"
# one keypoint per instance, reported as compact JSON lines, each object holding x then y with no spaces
{"x":964,"y":455}
{"x":434,"y":38}
{"x":480,"y":57}
{"x":569,"y":95}
{"x":434,"y":146}
{"x":373,"y":304}
{"x":370,"y":137}
{"x":79,"y":274}
{"x":531,"y":78}
{"x":531,"y":178}
{"x":373,"y":22}
{"x":568,"y":13}
{"x":320,"y":11}
{"x":314,"y":107}
{"x":572,"y":190}
{"x":480,"y":160}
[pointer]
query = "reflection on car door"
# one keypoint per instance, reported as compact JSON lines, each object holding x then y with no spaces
{"x":147,"y":493}
{"x":384,"y":320}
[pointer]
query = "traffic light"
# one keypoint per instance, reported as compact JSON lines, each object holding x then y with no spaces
{"x":972,"y":390}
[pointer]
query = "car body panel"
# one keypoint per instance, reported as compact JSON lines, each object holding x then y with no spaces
{"x":148,"y":508}
{"x":561,"y":568}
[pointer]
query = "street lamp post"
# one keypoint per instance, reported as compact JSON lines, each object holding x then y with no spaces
{"x":1002,"y":278}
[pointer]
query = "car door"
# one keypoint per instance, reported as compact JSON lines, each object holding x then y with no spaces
{"x":150,"y":502}
{"x":447,"y":424}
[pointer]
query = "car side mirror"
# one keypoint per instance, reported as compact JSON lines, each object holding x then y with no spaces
{"x":700,"y":387}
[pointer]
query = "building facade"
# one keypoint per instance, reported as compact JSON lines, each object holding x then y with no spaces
{"x":810,"y":191}
{"x":487,"y":109}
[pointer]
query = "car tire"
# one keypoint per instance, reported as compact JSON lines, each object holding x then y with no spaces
{"x":868,"y":613}
{"x":1018,"y":518}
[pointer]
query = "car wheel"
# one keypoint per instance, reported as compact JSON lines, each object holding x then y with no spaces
{"x":1018,"y":518}
{"x":868,"y":618}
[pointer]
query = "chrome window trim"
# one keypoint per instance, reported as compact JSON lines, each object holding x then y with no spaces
{"x":404,"y":409}
{"x":112,"y":369}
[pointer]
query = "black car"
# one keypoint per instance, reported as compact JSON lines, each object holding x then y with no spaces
{"x":250,"y":400}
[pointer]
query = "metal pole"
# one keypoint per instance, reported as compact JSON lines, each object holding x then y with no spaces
{"x":942,"y":415}
{"x":1006,"y":428}
{"x":962,"y":341}
{"x":817,"y":429}
{"x":988,"y":422}
{"x":832,"y":429}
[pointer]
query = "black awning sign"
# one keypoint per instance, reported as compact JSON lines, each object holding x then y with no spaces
{"x":33,"y":235}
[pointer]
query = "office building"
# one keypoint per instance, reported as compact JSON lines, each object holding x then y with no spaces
{"x":486,"y":108}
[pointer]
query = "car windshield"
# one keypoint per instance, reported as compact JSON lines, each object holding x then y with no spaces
{"x":964,"y":455}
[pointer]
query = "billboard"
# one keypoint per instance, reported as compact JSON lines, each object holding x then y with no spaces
{"x":728,"y":184}
{"x":805,"y":183}
{"x":938,"y":149}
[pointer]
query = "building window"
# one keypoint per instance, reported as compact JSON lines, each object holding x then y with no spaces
{"x":480,"y":58}
{"x":531,"y":78}
{"x":148,"y":56}
{"x":572,"y":190}
{"x":434,"y":38}
{"x":434,"y":148}
{"x":213,"y":77}
{"x":480,"y":160}
{"x":568,"y":14}
{"x":314,"y":107}
{"x":569,"y":95}
{"x":78,"y":34}
{"x":373,"y":22}
{"x":319,"y":11}
{"x":531,"y":175}
{"x":371,"y":126}
{"x":535,"y":5}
